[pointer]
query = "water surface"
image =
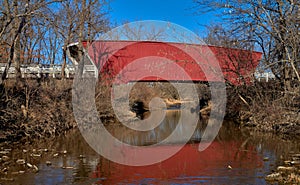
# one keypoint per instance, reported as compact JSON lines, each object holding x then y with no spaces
{"x":234,"y":157}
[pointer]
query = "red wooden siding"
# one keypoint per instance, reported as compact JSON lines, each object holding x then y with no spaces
{"x":125,"y":61}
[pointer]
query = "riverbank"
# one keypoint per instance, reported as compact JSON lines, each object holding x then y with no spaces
{"x":43,"y":109}
{"x":39,"y":109}
{"x":35,"y":110}
{"x":267,"y":108}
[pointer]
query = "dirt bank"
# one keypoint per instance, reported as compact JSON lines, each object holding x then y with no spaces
{"x":266,"y":107}
{"x":35,"y":109}
{"x":44,"y":108}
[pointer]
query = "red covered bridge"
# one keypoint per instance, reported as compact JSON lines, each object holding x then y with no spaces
{"x":127,"y":61}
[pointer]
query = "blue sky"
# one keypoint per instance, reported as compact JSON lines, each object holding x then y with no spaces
{"x":176,"y":11}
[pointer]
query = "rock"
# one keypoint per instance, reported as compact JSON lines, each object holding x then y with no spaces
{"x":285,"y":169}
{"x":35,"y":155}
{"x":294,"y":178}
{"x":295,"y":163}
{"x":20,"y":161}
{"x":55,"y":155}
{"x":7,"y":179}
{"x":29,"y":165}
{"x":21,"y":172}
{"x":4,"y":152}
{"x":65,"y":152}
{"x":266,"y":158}
{"x":48,"y":163}
{"x":273,"y":177}
{"x":43,"y":150}
{"x":229,"y":167}
{"x":25,"y":151}
{"x":5,"y":158}
{"x":35,"y":169}
{"x":67,"y":167}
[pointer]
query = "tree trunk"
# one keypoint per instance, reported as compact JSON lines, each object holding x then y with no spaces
{"x":64,"y":62}
{"x":16,"y":55}
{"x":80,"y":39}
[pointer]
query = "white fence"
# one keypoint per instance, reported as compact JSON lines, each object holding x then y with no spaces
{"x":54,"y":71}
{"x":41,"y":70}
{"x":264,"y":76}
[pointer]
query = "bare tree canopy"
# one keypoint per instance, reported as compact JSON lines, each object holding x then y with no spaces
{"x":38,"y":31}
{"x":273,"y":26}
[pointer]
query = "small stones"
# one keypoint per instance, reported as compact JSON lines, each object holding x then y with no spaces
{"x":4,"y":170}
{"x":295,"y":163}
{"x":29,"y":165}
{"x":4,"y":152}
{"x":55,"y":155}
{"x":266,"y":159}
{"x":35,"y":155}
{"x":81,"y":156}
{"x":43,"y":150}
{"x":35,"y":169}
{"x":285,"y":169}
{"x":20,"y":161}
{"x":48,"y":163}
{"x":67,"y":167}
{"x":7,"y":179}
{"x":5,"y":158}
{"x":289,"y":173}
{"x":273,"y":177}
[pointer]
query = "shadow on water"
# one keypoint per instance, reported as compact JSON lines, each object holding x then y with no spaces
{"x":234,"y":157}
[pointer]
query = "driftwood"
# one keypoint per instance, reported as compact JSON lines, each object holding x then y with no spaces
{"x":206,"y":110}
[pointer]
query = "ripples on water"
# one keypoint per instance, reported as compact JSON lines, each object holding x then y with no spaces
{"x":234,"y":157}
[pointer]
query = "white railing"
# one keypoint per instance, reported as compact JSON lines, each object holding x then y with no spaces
{"x":264,"y":76}
{"x":40,"y":70}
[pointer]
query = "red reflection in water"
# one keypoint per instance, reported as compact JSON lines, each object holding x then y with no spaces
{"x":188,"y":162}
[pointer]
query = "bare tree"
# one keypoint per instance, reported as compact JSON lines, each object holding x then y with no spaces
{"x":80,"y":20}
{"x":37,"y":33}
{"x":237,"y":54}
{"x":13,"y":35}
{"x":272,"y":25}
